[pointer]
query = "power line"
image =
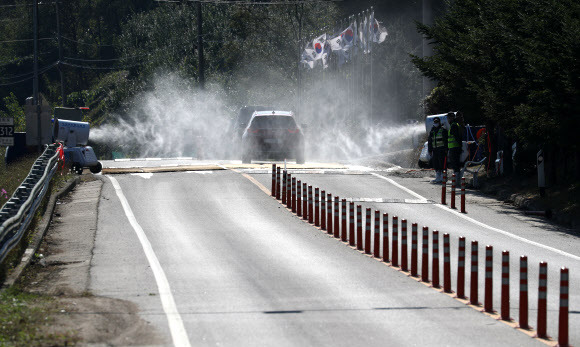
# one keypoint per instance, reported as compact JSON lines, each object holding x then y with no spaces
{"x":246,"y":2}
{"x":40,"y":72}
{"x":105,"y":60}
{"x":99,"y":68}
{"x":88,"y":44}
{"x":27,"y":40}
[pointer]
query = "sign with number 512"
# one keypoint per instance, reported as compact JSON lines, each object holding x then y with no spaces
{"x":6,"y":131}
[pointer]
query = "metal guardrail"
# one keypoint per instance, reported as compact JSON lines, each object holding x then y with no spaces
{"x":17,"y":213}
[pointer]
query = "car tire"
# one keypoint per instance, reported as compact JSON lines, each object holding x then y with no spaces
{"x":97,"y":168}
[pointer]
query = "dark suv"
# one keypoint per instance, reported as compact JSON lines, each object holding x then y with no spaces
{"x":273,"y":135}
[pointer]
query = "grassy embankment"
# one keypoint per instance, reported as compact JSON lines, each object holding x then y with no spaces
{"x":24,"y":317}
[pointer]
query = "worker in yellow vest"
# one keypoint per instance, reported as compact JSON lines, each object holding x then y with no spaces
{"x":454,"y":142}
{"x":437,"y":146}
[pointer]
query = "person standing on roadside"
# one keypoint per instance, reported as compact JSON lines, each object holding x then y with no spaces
{"x":437,"y":146}
{"x":454,"y":142}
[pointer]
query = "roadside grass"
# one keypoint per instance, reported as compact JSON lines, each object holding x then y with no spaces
{"x":12,"y":175}
{"x":25,"y":320}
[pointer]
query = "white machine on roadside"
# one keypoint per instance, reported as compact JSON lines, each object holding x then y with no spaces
{"x":75,"y":136}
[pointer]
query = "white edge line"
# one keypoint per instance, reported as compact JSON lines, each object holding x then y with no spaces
{"x":178,"y":332}
{"x":458,"y":214}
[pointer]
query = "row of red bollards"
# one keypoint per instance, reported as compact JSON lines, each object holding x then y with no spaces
{"x":453,"y":188}
{"x":331,"y":216}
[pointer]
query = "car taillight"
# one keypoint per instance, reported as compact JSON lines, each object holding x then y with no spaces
{"x":293,"y":131}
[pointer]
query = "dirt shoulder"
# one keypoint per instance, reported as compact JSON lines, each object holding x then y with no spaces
{"x":60,"y":275}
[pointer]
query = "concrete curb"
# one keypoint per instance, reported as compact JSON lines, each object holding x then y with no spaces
{"x":38,"y":234}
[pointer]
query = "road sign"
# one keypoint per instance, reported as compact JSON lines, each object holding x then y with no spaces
{"x":7,"y":131}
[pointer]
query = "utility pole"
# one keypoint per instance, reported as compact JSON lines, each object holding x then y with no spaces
{"x":63,"y":97}
{"x":35,"y":99}
{"x":200,"y":45}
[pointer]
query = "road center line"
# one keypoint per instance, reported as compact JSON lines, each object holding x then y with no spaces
{"x":178,"y":333}
{"x":458,"y":214}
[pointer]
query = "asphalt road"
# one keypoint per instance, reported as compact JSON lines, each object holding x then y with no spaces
{"x":212,"y":260}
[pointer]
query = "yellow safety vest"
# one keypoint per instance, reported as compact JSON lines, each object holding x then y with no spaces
{"x":438,"y":138}
{"x":452,"y":142}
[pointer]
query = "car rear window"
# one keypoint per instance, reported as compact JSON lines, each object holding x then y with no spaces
{"x":273,"y":122}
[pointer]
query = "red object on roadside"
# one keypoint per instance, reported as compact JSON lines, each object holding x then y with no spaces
{"x":377,"y":239}
{"x":543,"y":301}
{"x":351,"y":238}
{"x":524,"y":293}
{"x":299,"y":198}
{"x":274,"y":180}
{"x":446,"y":264}
{"x":305,"y":201}
{"x":444,"y":189}
{"x":310,"y":207}
{"x":488,"y":300}
{"x":404,"y":250}
{"x":453,"y":184}
{"x":463,"y":195}
{"x":343,"y":221}
{"x":425,"y":256}
{"x":317,"y":207}
{"x":386,"y":237}
{"x":284,"y":176}
{"x":461,"y":269}
{"x":329,"y":225}
{"x":435,"y":263}
{"x":359,"y":240}
{"x":414,"y":249}
{"x":323,"y":210}
{"x":368,"y":232}
{"x":336,"y":217}
{"x":278,"y":183}
{"x":505,"y":285}
{"x":395,"y":241}
{"x":289,"y":191}
{"x":563,"y":314}
{"x":294,"y":194}
{"x":474,"y":291}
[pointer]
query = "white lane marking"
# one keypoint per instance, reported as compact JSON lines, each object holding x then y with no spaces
{"x":178,"y":333}
{"x":458,"y":214}
{"x":200,"y":172}
{"x":146,"y":175}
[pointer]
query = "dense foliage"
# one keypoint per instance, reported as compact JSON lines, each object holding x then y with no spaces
{"x":513,"y":63}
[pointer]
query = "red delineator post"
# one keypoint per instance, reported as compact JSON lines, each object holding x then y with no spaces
{"x":359,"y":239}
{"x":323,"y":210}
{"x":317,"y":207}
{"x":444,"y":189}
{"x":563,"y":315}
{"x":488,"y":300}
{"x":351,"y":238}
{"x":299,"y":198}
{"x":425,"y":256}
{"x":368,"y":232}
{"x":278,"y":183}
{"x":344,"y":225}
{"x":294,"y":194}
{"x":543,"y":301}
{"x":329,"y":228}
{"x":310,"y":207}
{"x":474,"y":290}
{"x":524,"y":293}
{"x":377,"y":239}
{"x":446,"y":264}
{"x":289,"y":191}
{"x":404,"y":249}
{"x":386,"y":237}
{"x":395,"y":242}
{"x":414,"y":249}
{"x":463,"y":195}
{"x":435,"y":263}
{"x":453,"y":184}
{"x":273,"y":180}
{"x":461,"y":268}
{"x":305,"y":201}
{"x":284,"y":175}
{"x":505,"y":285}
{"x":337,"y":217}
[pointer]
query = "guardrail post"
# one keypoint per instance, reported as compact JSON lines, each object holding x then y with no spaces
{"x":278,"y":183}
{"x":336,"y":217}
{"x":404,"y":250}
{"x":284,"y":175}
{"x":294,"y":194}
{"x":273,"y":180}
{"x":323,"y":210}
{"x":305,"y":201}
{"x":488,"y":301}
{"x":444,"y":189}
{"x":524,"y":293}
{"x":377,"y":240}
{"x":317,"y":207}
{"x":359,"y":240}
{"x":474,"y":297}
{"x":395,"y":243}
{"x":351,"y":238}
{"x":543,"y":301}
{"x":563,"y":314}
{"x":368,"y":232}
{"x":343,"y":222}
{"x":310,"y":207}
{"x":435,"y":264}
{"x":289,"y":191}
{"x":446,"y":264}
{"x":329,"y":225}
{"x":414,"y":249}
{"x":505,"y":285}
{"x":299,"y":198}
{"x":386,"y":237}
{"x":461,"y":269}
{"x":425,"y":256}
